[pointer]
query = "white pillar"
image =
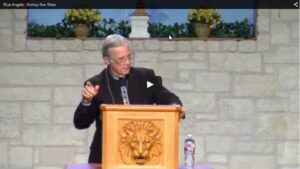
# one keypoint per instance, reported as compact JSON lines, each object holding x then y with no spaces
{"x":139,"y":27}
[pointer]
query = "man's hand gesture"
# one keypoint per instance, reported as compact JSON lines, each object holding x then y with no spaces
{"x":89,"y":92}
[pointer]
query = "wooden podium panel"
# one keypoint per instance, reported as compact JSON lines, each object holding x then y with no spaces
{"x":140,"y":136}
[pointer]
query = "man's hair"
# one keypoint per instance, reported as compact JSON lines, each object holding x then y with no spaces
{"x":112,"y":41}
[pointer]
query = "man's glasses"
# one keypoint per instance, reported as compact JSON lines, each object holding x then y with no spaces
{"x":122,"y":60}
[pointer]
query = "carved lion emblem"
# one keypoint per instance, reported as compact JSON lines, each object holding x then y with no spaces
{"x":140,"y":142}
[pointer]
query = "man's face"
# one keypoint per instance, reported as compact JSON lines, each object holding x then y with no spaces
{"x":119,"y":60}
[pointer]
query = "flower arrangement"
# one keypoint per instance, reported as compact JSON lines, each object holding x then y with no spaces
{"x":84,"y":16}
{"x":209,"y":17}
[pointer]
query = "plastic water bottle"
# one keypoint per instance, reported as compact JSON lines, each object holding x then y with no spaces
{"x":189,"y":152}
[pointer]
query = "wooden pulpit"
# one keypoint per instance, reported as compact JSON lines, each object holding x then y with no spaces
{"x":140,"y":136}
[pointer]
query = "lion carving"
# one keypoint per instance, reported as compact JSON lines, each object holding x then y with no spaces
{"x":140,"y":142}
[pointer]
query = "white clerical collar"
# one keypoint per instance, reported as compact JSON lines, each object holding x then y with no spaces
{"x":113,"y":75}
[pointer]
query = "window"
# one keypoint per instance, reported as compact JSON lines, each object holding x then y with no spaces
{"x":236,"y":23}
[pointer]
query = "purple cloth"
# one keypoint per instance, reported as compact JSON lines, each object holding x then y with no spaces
{"x":197,"y":166}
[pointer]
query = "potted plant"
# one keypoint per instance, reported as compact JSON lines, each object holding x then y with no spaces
{"x":82,"y":20}
{"x":203,"y":20}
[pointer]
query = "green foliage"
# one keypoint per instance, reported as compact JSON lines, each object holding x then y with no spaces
{"x":65,"y":30}
{"x":238,"y":29}
{"x":242,"y":29}
{"x":58,"y":30}
{"x":110,"y":26}
{"x":177,"y":30}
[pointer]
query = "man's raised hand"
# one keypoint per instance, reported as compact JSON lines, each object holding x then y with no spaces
{"x":89,"y":91}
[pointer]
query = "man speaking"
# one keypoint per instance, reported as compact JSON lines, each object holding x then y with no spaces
{"x":118,"y":83}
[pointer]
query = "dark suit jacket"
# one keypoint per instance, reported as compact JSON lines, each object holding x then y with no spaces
{"x":84,"y":116}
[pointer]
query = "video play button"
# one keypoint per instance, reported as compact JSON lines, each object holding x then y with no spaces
{"x":149,"y":84}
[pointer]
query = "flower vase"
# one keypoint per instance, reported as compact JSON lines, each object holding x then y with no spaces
{"x":81,"y":31}
{"x":201,"y":30}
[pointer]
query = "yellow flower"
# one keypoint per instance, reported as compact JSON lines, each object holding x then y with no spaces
{"x":211,"y":17}
{"x":87,"y":16}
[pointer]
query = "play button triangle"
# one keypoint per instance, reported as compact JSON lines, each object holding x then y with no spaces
{"x":149,"y":84}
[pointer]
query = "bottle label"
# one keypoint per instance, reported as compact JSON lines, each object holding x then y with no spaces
{"x":189,"y":149}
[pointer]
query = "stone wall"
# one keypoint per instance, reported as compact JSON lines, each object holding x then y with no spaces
{"x":241,"y":97}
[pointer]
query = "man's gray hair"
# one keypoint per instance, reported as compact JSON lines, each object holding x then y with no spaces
{"x":112,"y":41}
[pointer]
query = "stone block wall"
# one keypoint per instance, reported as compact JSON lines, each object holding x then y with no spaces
{"x":241,"y":97}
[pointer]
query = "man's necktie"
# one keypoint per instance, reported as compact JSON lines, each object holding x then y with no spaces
{"x":124,"y":92}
